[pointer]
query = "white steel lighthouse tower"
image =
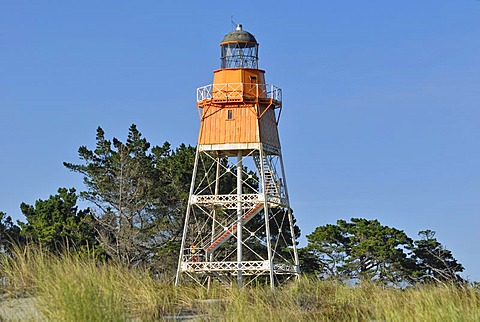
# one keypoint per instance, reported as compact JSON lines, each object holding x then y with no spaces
{"x":239,"y":226}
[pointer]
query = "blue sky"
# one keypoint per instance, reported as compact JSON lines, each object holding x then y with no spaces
{"x":381,"y":99}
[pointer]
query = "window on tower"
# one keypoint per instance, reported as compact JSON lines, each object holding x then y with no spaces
{"x":239,"y":55}
{"x":229,"y":114}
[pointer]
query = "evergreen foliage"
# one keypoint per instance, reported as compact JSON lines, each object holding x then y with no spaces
{"x":435,"y":263}
{"x":139,"y":192}
{"x":364,"y":249}
{"x":9,"y":233}
{"x":57,"y":224}
{"x":361,"y":249}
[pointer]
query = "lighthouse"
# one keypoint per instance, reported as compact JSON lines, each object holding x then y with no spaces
{"x":239,"y":227}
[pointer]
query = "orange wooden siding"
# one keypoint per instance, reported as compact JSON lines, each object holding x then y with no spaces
{"x":218,"y":129}
{"x":268,"y":129}
{"x":244,"y":125}
{"x":238,"y":75}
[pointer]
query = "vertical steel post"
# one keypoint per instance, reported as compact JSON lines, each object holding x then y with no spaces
{"x":239,"y":219}
{"x":217,"y":189}
{"x":185,"y":227}
{"x":267,"y":217}
{"x":290,"y":218}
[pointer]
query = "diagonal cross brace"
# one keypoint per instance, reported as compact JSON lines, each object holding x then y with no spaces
{"x":233,"y":229}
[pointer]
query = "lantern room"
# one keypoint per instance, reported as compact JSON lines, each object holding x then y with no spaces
{"x":239,"y":49}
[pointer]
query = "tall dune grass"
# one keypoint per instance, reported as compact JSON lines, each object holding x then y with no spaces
{"x":70,"y":288}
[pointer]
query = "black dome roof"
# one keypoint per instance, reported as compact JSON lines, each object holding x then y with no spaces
{"x":239,"y":35}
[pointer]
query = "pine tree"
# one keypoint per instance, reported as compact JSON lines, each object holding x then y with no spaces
{"x":57,"y":224}
{"x":138,"y":193}
{"x":435,"y":263}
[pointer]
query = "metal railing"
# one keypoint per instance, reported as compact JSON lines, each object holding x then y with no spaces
{"x":225,"y":266}
{"x":236,"y":91}
{"x":256,"y":267}
{"x":227,"y":201}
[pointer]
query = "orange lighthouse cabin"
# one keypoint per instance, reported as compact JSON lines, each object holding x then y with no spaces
{"x":239,"y":111}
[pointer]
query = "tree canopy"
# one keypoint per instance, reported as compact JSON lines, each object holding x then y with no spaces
{"x":435,"y":262}
{"x":139,"y":193}
{"x":360,"y":249}
{"x":57,"y":224}
{"x":364,"y":249}
{"x":9,"y":232}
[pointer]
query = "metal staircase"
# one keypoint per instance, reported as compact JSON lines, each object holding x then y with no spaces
{"x":219,"y":241}
{"x":272,"y":183}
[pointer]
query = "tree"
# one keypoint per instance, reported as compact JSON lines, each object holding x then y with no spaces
{"x":139,"y":194}
{"x":9,"y":233}
{"x":361,"y":249}
{"x":57,"y":224}
{"x":377,"y":252}
{"x":435,"y":263}
{"x":175,"y":173}
{"x":326,"y":251}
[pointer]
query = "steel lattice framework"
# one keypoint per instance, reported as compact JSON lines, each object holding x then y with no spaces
{"x":212,"y":230}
